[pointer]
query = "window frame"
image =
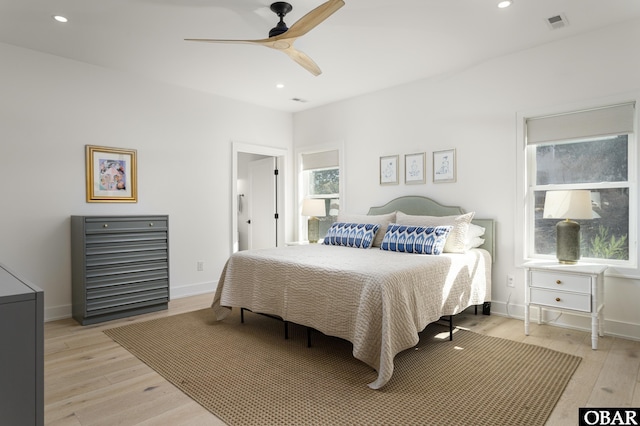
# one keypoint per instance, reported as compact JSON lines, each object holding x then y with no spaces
{"x":526,"y":188}
{"x":302,"y":183}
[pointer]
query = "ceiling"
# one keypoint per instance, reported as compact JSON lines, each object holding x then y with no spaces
{"x":365,"y":46}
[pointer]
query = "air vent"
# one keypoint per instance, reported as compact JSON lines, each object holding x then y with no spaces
{"x":558,"y":21}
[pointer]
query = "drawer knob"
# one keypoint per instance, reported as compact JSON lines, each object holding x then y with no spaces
{"x":558,"y":282}
{"x":150,"y":223}
{"x":557,"y":299}
{"x":106,"y":225}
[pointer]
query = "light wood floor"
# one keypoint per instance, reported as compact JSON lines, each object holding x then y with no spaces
{"x":90,"y":380}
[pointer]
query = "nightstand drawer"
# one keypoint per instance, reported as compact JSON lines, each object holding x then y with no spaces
{"x":561,"y":299}
{"x":561,"y":281}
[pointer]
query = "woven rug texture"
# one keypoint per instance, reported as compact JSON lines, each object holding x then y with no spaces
{"x":248,"y":374}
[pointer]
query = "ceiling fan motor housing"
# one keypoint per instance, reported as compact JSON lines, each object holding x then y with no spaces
{"x":280,"y":8}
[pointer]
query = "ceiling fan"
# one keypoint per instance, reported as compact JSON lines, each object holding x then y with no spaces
{"x":282,"y":38}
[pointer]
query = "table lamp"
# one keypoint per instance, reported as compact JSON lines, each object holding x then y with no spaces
{"x":567,"y":205}
{"x":313,"y":208}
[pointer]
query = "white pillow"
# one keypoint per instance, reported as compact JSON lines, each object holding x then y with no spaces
{"x":475,"y":231}
{"x":383,"y":220}
{"x":472,"y":243}
{"x":456,"y":239}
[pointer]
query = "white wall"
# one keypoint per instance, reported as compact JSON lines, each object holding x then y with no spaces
{"x":474,"y":111}
{"x":50,"y":108}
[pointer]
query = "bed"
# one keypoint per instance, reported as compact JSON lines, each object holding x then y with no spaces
{"x":376,"y":298}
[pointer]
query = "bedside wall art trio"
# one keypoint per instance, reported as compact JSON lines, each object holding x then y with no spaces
{"x":415,"y":168}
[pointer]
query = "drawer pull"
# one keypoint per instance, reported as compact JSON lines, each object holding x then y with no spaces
{"x":106,"y":225}
{"x":558,"y":282}
{"x":557,"y":299}
{"x":150,"y":223}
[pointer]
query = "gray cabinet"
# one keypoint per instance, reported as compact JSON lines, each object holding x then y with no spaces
{"x":21,"y":351}
{"x":120,"y":266}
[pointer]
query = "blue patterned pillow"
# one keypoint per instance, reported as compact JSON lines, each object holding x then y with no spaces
{"x":415,"y":239}
{"x":358,"y":235}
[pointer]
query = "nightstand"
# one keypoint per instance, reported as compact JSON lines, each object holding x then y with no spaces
{"x":576,"y":288}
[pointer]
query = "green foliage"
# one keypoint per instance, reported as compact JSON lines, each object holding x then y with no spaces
{"x":325,"y":181}
{"x":607,"y":246}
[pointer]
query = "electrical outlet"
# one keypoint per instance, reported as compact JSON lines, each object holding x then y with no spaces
{"x":200,"y":266}
{"x":510,"y":281}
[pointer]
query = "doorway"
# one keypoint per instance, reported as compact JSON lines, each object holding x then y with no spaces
{"x":257,"y":197}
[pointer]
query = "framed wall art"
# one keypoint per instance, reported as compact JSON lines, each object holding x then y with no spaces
{"x":414,"y":165}
{"x":444,"y":166}
{"x":111,"y":175}
{"x":389,"y":170}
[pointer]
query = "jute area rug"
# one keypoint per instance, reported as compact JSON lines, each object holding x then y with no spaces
{"x":248,"y":374}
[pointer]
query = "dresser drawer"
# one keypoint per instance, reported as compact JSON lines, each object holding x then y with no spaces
{"x":561,"y":281}
{"x":114,"y":238}
{"x":123,"y":303}
{"x":561,"y":299}
{"x":125,"y":258}
{"x":132,"y":277}
{"x":102,"y":225}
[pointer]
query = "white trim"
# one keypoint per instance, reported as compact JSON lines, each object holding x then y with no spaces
{"x":55,"y":313}
{"x":193,"y":290}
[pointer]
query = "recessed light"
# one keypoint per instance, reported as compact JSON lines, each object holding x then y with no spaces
{"x":505,"y":3}
{"x":60,"y":18}
{"x":280,"y":86}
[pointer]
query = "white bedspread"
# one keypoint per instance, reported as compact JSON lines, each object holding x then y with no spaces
{"x":377,"y":300}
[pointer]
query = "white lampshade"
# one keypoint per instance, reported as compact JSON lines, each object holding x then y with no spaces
{"x":567,"y":205}
{"x":313,"y":207}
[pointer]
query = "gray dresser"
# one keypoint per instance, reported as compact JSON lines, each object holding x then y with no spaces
{"x":21,"y":351}
{"x":120,"y":266}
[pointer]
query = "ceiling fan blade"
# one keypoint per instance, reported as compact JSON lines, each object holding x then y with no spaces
{"x":285,"y":46}
{"x":272,"y":42}
{"x":312,"y":19}
{"x":209,"y":40}
{"x":304,"y":60}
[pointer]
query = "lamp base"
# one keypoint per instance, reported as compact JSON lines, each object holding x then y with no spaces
{"x":568,"y":242}
{"x":313,"y":229}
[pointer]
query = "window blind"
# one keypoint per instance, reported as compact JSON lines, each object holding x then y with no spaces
{"x":320,"y":160}
{"x":605,"y":121}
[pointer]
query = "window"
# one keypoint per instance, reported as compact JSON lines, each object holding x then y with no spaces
{"x":320,"y":178}
{"x":589,"y":150}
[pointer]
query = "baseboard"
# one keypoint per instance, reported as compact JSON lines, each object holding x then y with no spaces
{"x":567,"y":320}
{"x":57,"y":313}
{"x":192,"y":289}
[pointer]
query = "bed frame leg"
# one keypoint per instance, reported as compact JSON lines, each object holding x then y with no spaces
{"x":486,"y":308}
{"x":308,"y":337}
{"x":450,"y":328}
{"x":286,"y":330}
{"x":242,"y":315}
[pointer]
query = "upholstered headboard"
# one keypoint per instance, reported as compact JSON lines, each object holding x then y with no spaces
{"x":423,"y":206}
